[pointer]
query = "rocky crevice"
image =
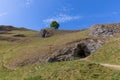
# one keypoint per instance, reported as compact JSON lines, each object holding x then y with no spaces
{"x":77,"y":50}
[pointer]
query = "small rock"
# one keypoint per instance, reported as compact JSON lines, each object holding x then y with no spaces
{"x":44,"y":33}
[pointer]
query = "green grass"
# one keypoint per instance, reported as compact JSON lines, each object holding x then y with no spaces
{"x":109,"y":53}
{"x":35,"y":78}
{"x":72,"y":70}
{"x":31,"y":46}
{"x":25,"y":32}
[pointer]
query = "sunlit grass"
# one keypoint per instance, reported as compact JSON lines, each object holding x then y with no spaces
{"x":32,"y":46}
{"x":71,"y":70}
{"x":109,"y":53}
{"x":37,"y":47}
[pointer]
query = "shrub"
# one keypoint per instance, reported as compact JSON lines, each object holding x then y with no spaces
{"x":54,"y":24}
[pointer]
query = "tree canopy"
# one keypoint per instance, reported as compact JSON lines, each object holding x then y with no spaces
{"x":54,"y":24}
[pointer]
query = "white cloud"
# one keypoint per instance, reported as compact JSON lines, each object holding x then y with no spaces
{"x":28,"y":2}
{"x":63,"y":15}
{"x":3,"y":14}
{"x":62,"y":18}
{"x":66,"y":8}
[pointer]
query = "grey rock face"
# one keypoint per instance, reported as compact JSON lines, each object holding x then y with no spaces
{"x":105,"y":30}
{"x":44,"y":33}
{"x":77,"y":50}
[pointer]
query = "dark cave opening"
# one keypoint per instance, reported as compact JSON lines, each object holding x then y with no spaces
{"x":81,"y":51}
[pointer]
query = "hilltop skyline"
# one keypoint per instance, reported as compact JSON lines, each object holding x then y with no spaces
{"x":72,"y":15}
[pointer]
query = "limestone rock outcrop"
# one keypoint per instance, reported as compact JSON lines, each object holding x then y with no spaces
{"x":105,"y":30}
{"x":77,"y":50}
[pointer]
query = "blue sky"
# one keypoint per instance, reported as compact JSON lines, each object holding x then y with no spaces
{"x":71,"y":14}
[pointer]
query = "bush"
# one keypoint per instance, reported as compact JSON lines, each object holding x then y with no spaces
{"x":54,"y":24}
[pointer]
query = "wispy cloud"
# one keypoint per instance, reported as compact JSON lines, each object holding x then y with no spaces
{"x":63,"y":15}
{"x":28,"y":2}
{"x":3,"y":14}
{"x":61,"y":18}
{"x":66,"y":8}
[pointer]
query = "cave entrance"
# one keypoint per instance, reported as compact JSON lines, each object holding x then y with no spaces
{"x":82,"y":51}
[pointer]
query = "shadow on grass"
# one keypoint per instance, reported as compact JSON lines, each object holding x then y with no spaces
{"x":35,"y":78}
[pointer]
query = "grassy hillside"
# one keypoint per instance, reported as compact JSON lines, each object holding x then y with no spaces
{"x":109,"y":53}
{"x":32,"y":47}
{"x":72,"y":70}
{"x":24,"y":51}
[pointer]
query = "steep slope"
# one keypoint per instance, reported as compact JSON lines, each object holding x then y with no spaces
{"x":23,"y":51}
{"x":24,"y":47}
{"x":109,"y":53}
{"x":33,"y":49}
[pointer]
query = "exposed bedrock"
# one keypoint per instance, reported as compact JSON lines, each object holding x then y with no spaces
{"x":76,"y":50}
{"x":104,"y":30}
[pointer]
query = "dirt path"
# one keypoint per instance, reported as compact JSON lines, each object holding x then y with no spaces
{"x":117,"y":67}
{"x":113,"y":66}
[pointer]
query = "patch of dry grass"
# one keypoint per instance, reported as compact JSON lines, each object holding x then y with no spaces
{"x":33,"y":47}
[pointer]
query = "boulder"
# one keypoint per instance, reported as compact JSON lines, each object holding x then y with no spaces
{"x":44,"y":33}
{"x":105,"y":30}
{"x":77,"y":50}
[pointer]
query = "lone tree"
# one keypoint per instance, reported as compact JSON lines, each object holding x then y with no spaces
{"x":54,"y":24}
